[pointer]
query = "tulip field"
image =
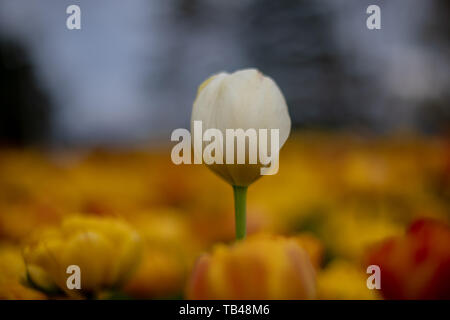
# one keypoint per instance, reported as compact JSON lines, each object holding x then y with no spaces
{"x":140,"y":227}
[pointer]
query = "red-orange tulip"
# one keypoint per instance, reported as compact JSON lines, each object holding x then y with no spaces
{"x":417,"y":265}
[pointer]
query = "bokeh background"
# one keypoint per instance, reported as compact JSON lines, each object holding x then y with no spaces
{"x":86,"y":117}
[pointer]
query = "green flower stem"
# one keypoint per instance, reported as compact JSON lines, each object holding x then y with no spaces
{"x":240,"y":199}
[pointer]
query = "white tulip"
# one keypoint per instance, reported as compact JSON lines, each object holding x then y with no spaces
{"x":245,"y":99}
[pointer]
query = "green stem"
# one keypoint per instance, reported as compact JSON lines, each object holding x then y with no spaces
{"x":240,"y":199}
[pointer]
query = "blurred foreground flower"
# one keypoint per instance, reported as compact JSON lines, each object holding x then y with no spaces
{"x":313,"y":247}
{"x":261,"y":267}
{"x":416,"y":265}
{"x":13,"y":274}
{"x":245,"y":100}
{"x":106,"y":250}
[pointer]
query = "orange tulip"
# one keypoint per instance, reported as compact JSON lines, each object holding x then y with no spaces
{"x":261,"y":267}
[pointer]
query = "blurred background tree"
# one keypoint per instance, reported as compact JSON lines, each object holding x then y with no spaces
{"x":130,"y":74}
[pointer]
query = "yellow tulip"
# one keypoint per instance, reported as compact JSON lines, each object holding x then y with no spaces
{"x":260,"y":267}
{"x":13,"y":274}
{"x":107,"y":252}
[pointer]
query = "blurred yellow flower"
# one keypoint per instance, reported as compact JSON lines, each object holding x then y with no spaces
{"x":106,"y":250}
{"x":13,"y":274}
{"x":162,"y":274}
{"x":349,"y":232}
{"x":169,"y":252}
{"x":343,"y":280}
{"x":260,"y":267}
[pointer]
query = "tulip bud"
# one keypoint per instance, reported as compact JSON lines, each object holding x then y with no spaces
{"x":260,"y":267}
{"x":106,"y":252}
{"x":245,"y":99}
{"x":237,"y":112}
